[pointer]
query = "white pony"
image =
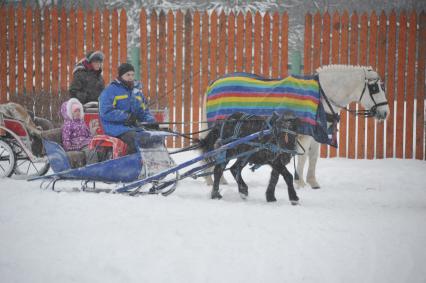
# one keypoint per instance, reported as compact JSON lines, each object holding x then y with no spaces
{"x":339,"y":86}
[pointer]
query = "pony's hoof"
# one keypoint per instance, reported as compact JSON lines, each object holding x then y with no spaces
{"x":314,"y":184}
{"x":243,"y":192}
{"x":299,"y":184}
{"x":294,"y":202}
{"x":270,"y":198}
{"x":216,"y":195}
{"x":243,"y":196}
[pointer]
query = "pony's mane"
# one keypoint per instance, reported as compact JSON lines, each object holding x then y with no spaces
{"x":342,"y":68}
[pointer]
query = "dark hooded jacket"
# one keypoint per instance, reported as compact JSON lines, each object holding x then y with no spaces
{"x":87,"y":83}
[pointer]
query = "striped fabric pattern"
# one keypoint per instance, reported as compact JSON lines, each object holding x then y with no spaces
{"x":252,"y":94}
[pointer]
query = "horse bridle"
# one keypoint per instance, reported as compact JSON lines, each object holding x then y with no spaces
{"x":373,"y":88}
{"x":276,"y":135}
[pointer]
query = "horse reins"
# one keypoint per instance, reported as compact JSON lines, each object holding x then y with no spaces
{"x":240,"y":121}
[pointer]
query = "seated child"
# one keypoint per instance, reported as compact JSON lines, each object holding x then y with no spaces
{"x":75,"y":134}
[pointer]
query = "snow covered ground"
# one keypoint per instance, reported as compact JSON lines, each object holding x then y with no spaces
{"x":366,"y":224}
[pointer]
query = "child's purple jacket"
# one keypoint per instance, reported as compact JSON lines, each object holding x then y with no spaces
{"x":75,"y":133}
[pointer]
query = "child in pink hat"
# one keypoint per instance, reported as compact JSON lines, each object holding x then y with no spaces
{"x":76,"y":135}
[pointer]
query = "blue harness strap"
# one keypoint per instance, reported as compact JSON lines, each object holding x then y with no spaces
{"x":237,"y":129}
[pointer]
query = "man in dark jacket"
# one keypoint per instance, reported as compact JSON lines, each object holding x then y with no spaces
{"x":122,"y":105}
{"x":88,"y":82}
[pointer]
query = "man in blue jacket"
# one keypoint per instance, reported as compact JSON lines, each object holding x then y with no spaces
{"x":122,"y":105}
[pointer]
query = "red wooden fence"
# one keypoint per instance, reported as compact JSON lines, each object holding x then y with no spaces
{"x":179,"y":58}
{"x":181,"y":53}
{"x":39,"y":50}
{"x":397,"y":52}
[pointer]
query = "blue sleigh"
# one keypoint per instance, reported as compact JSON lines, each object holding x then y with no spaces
{"x":152,"y":157}
{"x":149,"y":171}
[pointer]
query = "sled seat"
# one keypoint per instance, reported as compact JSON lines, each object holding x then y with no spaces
{"x":60,"y":159}
{"x":108,"y":143}
{"x":108,"y":147}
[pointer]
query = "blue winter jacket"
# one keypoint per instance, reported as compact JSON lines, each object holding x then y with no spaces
{"x":116,"y":102}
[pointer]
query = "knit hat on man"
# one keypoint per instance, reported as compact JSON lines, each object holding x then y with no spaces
{"x":95,"y":56}
{"x":124,"y":68}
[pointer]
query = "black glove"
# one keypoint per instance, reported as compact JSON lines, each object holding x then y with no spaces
{"x":131,"y":121}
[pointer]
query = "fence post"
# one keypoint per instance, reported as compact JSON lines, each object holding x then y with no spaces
{"x":134,"y":58}
{"x":296,"y":61}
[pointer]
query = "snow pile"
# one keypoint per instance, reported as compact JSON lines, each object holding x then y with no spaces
{"x":366,"y":224}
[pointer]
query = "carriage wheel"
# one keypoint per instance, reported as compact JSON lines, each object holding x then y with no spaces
{"x":7,"y":159}
{"x":26,"y":168}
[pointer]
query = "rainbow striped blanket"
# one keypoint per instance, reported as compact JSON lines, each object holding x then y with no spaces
{"x":252,"y":94}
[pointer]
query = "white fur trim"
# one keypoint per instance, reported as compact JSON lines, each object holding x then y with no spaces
{"x":80,"y":106}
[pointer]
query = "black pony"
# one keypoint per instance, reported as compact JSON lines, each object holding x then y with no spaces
{"x":272,"y":149}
